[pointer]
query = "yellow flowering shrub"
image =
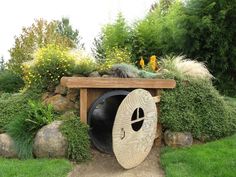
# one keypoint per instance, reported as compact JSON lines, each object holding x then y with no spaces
{"x":115,"y":56}
{"x":47,"y":68}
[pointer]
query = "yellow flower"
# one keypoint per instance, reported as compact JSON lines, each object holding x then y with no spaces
{"x":153,"y":63}
{"x":141,"y":63}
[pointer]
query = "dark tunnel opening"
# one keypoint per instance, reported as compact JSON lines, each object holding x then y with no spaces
{"x":101,"y":117}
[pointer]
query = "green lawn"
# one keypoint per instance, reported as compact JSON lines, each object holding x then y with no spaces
{"x":34,"y":168}
{"x":214,"y":159}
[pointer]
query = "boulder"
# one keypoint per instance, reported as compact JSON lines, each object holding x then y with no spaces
{"x":47,"y":95}
{"x":60,"y":90}
{"x":60,"y":103}
{"x":72,"y":94}
{"x":49,"y":141}
{"x":178,"y":139}
{"x":7,"y":147}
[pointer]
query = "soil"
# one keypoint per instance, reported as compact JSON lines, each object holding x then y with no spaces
{"x":105,"y":165}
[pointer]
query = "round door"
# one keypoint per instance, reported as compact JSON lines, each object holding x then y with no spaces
{"x":134,"y":128}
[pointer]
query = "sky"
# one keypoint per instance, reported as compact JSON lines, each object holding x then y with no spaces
{"x":88,"y":16}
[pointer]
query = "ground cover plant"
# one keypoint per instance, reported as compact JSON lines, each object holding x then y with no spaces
{"x":195,"y":105}
{"x":34,"y":168}
{"x":211,"y":159}
{"x":78,"y":139}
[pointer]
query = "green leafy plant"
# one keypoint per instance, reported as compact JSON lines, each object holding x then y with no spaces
{"x":25,"y":126}
{"x":10,"y":82}
{"x":50,"y":64}
{"x":77,"y":135}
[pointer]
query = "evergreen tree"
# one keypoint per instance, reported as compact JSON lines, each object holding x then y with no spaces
{"x":2,"y":64}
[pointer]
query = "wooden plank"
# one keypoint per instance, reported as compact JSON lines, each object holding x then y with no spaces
{"x":93,"y":82}
{"x":159,"y":127}
{"x":83,"y":105}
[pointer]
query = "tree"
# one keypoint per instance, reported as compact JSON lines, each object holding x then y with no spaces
{"x":209,"y":35}
{"x":200,"y":29}
{"x":2,"y":64}
{"x":38,"y":35}
{"x":113,"y":35}
{"x":65,"y":29}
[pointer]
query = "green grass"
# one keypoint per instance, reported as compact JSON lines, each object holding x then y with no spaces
{"x":214,"y":159}
{"x":34,"y":168}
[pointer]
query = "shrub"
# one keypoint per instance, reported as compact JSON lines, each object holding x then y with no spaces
{"x":11,"y":105}
{"x":182,"y":67}
{"x":84,"y":64}
{"x":10,"y":82}
{"x":196,"y":106}
{"x":77,"y":135}
{"x":25,"y":126}
{"x":115,"y":56}
{"x":50,"y":64}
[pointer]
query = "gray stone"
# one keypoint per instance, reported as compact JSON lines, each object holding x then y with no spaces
{"x":178,"y":139}
{"x":49,"y":141}
{"x":94,"y":74}
{"x":60,"y":103}
{"x":106,"y":75}
{"x":7,"y":147}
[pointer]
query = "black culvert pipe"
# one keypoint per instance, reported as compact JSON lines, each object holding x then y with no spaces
{"x":101,"y":117}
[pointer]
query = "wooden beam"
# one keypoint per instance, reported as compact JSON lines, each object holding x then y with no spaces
{"x":83,"y":105}
{"x":93,"y":82}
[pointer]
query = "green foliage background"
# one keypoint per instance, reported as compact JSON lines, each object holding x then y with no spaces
{"x":10,"y":82}
{"x":200,"y":29}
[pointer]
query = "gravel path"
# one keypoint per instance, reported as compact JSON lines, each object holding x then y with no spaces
{"x":104,"y":165}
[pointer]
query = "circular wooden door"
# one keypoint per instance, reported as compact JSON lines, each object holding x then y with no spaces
{"x":134,"y":128}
